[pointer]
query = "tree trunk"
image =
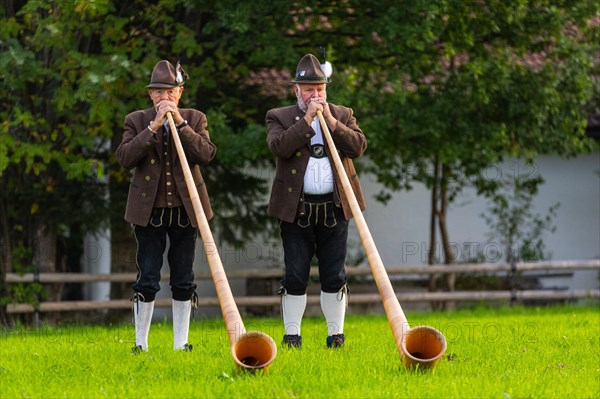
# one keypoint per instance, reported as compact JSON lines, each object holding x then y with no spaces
{"x":432,"y":224}
{"x":448,"y":253}
{"x":435,"y":189}
{"x":5,"y":261}
{"x":45,"y":260}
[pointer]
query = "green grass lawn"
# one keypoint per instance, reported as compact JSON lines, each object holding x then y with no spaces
{"x":549,"y":352}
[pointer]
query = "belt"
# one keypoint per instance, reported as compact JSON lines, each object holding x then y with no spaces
{"x":318,"y":198}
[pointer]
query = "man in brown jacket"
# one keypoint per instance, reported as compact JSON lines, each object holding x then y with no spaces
{"x":158,"y":204}
{"x":309,"y":201}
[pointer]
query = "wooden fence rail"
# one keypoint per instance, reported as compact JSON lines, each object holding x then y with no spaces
{"x":314,"y":299}
{"x":272,"y":273}
{"x":277,"y":272}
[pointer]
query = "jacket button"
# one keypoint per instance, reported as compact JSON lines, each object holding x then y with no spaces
{"x":148,"y":144}
{"x":147,"y":178}
{"x":144,"y":195}
{"x":297,"y":118}
{"x":307,"y":135}
{"x":289,"y":189}
{"x":298,"y":154}
{"x":152,"y":161}
{"x":293,"y":171}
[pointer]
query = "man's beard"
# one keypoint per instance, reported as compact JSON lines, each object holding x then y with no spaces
{"x":301,"y":104}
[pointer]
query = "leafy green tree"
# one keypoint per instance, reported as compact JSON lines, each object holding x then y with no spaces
{"x":56,"y":121}
{"x":72,"y":70}
{"x":442,"y":88}
{"x":480,"y":81}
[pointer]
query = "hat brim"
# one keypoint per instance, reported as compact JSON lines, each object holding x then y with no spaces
{"x":163,"y":85}
{"x":311,"y":81}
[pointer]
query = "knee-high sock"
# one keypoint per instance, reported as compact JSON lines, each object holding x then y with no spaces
{"x":334,"y":309}
{"x":142,"y":315}
{"x":293,"y":307}
{"x":181,"y":323}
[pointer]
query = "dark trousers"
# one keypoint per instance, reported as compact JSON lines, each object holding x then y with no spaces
{"x":321,"y":231}
{"x":151,"y":245}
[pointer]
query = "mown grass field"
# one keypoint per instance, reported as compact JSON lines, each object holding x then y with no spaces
{"x":551,"y":352}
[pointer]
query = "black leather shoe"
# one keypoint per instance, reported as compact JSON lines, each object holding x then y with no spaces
{"x":292,"y":341}
{"x":336,"y":341}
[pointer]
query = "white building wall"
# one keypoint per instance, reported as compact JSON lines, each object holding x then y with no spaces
{"x":400,"y":229}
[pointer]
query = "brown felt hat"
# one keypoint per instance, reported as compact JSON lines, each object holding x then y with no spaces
{"x":165,"y":76}
{"x":309,"y":71}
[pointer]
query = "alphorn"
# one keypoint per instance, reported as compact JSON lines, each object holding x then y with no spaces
{"x":252,"y":350}
{"x":419,"y":347}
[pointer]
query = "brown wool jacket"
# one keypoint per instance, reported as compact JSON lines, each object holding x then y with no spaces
{"x":288,"y":137}
{"x":139,"y":150}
